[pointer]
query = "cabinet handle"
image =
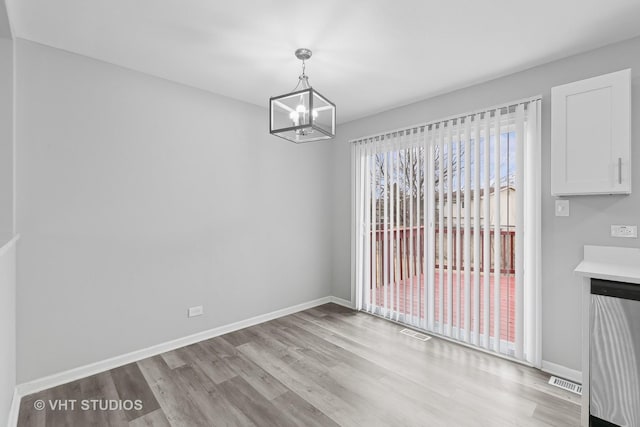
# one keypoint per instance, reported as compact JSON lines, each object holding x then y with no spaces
{"x":619,"y":170}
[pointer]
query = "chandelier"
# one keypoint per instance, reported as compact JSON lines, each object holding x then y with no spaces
{"x":303,"y":115}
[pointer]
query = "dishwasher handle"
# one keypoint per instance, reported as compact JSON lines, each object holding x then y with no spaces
{"x":610,"y":288}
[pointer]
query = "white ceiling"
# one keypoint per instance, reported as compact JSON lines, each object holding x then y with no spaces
{"x":369,"y":55}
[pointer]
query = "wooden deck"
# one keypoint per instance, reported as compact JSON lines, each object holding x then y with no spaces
{"x":412,"y":289}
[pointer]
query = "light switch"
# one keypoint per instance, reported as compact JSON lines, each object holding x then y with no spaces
{"x":562,"y":207}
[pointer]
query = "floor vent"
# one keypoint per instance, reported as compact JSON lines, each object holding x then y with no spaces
{"x":566,"y":385}
{"x":416,"y":335}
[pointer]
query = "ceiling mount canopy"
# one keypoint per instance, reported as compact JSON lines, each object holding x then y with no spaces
{"x":303,"y":115}
{"x":303,"y":54}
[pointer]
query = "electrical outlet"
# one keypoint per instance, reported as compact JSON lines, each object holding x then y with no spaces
{"x":624,"y":231}
{"x":195,"y":311}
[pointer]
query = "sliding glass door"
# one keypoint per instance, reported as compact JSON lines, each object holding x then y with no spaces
{"x":440,"y":213}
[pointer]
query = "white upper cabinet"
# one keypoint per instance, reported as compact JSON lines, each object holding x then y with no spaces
{"x":591,"y":136}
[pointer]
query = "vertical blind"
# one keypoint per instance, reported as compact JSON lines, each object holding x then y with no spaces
{"x":447,"y":225}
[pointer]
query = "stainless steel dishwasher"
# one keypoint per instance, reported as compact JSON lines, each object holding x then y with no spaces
{"x":614,"y":355}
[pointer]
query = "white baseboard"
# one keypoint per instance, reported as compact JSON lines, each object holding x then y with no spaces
{"x":114,"y":362}
{"x":342,"y":302}
{"x":562,"y":371}
{"x":15,"y":409}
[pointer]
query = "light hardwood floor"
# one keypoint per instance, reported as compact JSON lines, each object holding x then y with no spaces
{"x":325,"y":366}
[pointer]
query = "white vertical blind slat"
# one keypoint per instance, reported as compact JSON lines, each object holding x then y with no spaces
{"x":393,"y":226}
{"x":449,"y":175}
{"x":441,"y":228}
{"x":429,"y":247}
{"x":361,"y":227}
{"x":477,"y":236}
{"x":357,"y":234}
{"x":486,"y":235}
{"x":532,"y":244}
{"x":372,"y":231}
{"x":535,"y":259}
{"x":467,"y":229}
{"x":398,"y":224}
{"x":519,"y":249}
{"x":411,"y":269}
{"x":497,"y":241}
{"x":367,"y":228}
{"x":420,"y":232}
{"x":458,"y":211}
{"x":405,"y":241}
{"x":387,"y":239}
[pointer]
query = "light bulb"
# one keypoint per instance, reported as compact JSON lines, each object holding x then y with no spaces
{"x":294,"y":118}
{"x":300,"y":109}
{"x":315,"y":113}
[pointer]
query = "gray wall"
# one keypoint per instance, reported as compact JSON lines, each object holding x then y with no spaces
{"x":5,"y":27}
{"x":7,"y":260}
{"x":7,"y":328}
{"x":563,"y":237}
{"x":138,"y":198}
{"x":6,"y":137}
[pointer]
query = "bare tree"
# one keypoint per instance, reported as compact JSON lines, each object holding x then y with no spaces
{"x":402,"y":174}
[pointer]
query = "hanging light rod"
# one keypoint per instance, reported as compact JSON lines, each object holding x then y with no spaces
{"x":302,"y":115}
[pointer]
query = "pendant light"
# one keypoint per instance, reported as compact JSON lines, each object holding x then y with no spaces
{"x":303,"y":115}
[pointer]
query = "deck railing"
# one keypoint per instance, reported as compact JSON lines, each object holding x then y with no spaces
{"x":407,"y":244}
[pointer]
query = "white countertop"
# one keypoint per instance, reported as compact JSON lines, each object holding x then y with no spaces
{"x":611,"y":263}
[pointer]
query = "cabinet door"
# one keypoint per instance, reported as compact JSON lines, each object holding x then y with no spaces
{"x":591,"y":136}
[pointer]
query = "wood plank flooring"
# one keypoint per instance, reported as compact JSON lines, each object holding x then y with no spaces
{"x":326,"y":366}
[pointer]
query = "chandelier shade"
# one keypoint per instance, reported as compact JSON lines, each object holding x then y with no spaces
{"x":303,"y":115}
